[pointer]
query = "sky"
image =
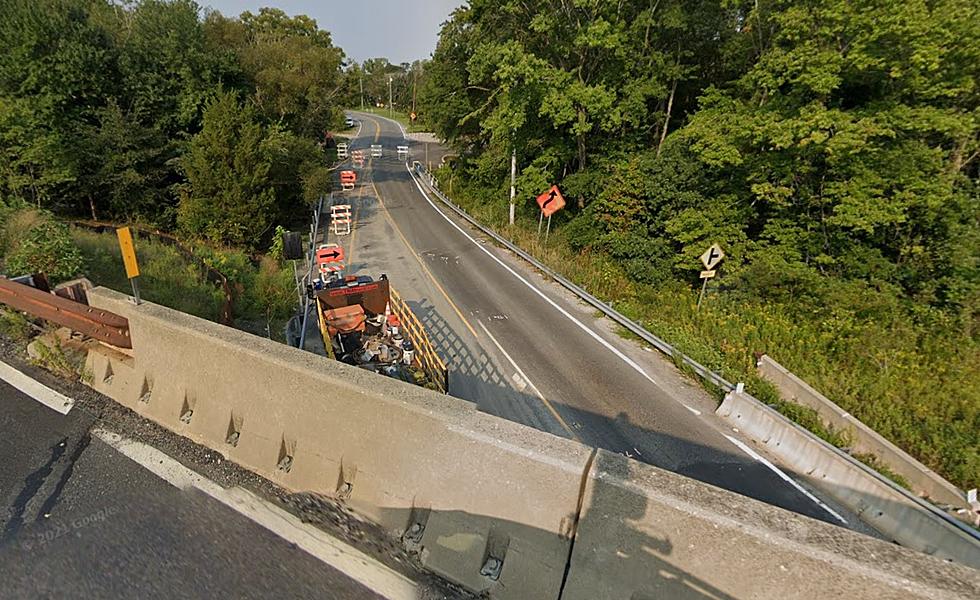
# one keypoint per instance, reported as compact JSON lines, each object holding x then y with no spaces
{"x":399,"y":30}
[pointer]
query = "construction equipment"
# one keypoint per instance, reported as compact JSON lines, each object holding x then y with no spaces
{"x":364,"y":323}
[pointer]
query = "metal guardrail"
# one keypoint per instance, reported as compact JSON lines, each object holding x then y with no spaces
{"x":211,"y":274}
{"x":707,"y":374}
{"x":96,"y":323}
{"x":630,"y":325}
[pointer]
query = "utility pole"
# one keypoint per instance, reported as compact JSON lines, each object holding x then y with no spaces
{"x":360,"y":79}
{"x":513,"y":179}
{"x":415,"y":81}
{"x":390,"y":114}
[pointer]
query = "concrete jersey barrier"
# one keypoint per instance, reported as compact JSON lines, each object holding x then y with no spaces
{"x":645,"y":533}
{"x":500,"y":508}
{"x":924,"y":481}
{"x":882,"y":504}
{"x":489,"y":503}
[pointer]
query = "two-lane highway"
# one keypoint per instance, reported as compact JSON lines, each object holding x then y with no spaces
{"x":523,"y":349}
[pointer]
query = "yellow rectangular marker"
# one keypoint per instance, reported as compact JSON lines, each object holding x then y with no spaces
{"x":128,"y":252}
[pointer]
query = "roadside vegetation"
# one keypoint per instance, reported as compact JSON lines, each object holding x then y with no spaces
{"x":832,"y":149}
{"x":156,"y":111}
{"x":161,"y":113}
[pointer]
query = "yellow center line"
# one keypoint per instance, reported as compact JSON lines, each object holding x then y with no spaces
{"x":353,"y":226}
{"x":459,"y":313}
{"x":422,"y":264}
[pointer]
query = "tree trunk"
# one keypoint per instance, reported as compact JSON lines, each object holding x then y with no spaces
{"x":670,"y":106}
{"x":91,"y":205}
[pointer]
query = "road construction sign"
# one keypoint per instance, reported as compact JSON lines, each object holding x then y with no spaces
{"x":128,"y":252}
{"x":329,"y":257}
{"x":551,"y":201}
{"x":402,"y":151}
{"x":712,"y":256}
{"x":375,"y":150}
{"x":357,"y":158}
{"x":347,"y":179}
{"x":341,"y":150}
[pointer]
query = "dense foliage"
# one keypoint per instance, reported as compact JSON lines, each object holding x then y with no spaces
{"x":831,"y":147}
{"x":111,"y":110}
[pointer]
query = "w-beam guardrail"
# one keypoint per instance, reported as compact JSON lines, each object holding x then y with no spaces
{"x":936,"y":531}
{"x":96,"y":323}
{"x":633,"y":327}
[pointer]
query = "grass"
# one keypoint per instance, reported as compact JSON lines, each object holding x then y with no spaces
{"x":15,"y":325}
{"x":166,"y":276}
{"x":912,"y":383}
{"x":264,"y":293}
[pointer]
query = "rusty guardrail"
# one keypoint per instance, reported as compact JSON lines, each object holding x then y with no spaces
{"x":96,"y":323}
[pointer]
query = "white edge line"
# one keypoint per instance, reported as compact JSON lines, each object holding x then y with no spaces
{"x":345,"y":558}
{"x":400,"y":126}
{"x":625,"y":358}
{"x":561,"y":310}
{"x":744,"y":448}
{"x":29,"y":386}
{"x":512,"y":362}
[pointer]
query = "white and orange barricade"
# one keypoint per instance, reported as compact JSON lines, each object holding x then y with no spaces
{"x":340,"y":219}
{"x":357,"y":159}
{"x":347,"y":180}
{"x":329,"y":259}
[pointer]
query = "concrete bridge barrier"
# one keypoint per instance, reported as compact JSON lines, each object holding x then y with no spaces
{"x":647,"y":533}
{"x":903,"y":517}
{"x":473,"y":492}
{"x":923,"y":480}
{"x":498,"y":507}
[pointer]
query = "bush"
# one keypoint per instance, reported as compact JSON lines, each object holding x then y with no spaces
{"x":166,"y":276}
{"x":46,"y":248}
{"x":905,"y":370}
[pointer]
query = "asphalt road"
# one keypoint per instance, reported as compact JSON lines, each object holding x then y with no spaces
{"x":79,"y":519}
{"x":522,"y":348}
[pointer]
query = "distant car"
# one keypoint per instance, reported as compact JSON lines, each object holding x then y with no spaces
{"x":349,"y":122}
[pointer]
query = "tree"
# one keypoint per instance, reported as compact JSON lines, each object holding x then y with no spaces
{"x":229,"y":196}
{"x":293,"y":65}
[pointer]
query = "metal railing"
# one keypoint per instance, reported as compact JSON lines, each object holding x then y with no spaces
{"x":632,"y":326}
{"x":426,"y":357}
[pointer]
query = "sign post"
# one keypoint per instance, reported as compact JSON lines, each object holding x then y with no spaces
{"x":550,"y":202}
{"x":710,"y":259}
{"x":129,"y":259}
